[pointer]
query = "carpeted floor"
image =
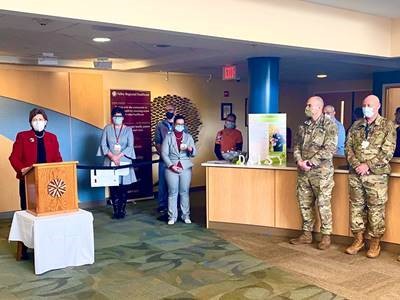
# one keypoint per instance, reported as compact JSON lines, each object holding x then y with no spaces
{"x":351,"y":276}
{"x":143,"y":258}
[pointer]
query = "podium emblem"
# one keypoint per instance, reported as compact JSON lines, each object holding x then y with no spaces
{"x":56,"y":188}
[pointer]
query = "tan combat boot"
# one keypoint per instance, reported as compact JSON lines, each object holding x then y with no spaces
{"x":304,"y":238}
{"x":358,"y":243}
{"x":374,"y":248}
{"x":325,"y":242}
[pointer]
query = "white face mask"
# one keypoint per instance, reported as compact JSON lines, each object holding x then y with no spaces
{"x":368,"y":111}
{"x":179,"y":128}
{"x":39,"y":125}
{"x":118,"y":120}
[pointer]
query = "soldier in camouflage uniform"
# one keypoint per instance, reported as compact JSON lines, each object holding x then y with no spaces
{"x":369,"y":148}
{"x":315,"y":144}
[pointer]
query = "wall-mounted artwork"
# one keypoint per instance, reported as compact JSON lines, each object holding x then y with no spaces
{"x":184,"y":106}
{"x":226,"y":109}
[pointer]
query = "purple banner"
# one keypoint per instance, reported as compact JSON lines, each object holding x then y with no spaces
{"x":138,"y":116}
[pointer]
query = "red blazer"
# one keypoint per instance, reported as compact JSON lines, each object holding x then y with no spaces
{"x":24,"y":152}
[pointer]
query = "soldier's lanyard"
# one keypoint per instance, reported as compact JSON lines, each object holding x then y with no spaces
{"x":365,"y":143}
{"x":367,"y":129}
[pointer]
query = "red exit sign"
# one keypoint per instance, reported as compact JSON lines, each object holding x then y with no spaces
{"x":229,"y":72}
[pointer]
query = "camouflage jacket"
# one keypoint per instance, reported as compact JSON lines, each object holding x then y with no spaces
{"x":379,"y":148}
{"x":316,"y":142}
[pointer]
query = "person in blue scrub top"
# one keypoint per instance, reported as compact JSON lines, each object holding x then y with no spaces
{"x":164,"y":128}
{"x":330,"y":112}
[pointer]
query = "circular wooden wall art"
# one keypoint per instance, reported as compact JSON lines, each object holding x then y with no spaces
{"x":184,"y":106}
{"x":56,"y":188}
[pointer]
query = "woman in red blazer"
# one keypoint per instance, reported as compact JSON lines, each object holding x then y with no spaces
{"x":33,"y":146}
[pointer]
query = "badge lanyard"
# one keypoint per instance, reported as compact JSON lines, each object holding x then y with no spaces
{"x":119,"y":133}
{"x":365,"y":143}
{"x":169,"y":127}
{"x":366,"y":132}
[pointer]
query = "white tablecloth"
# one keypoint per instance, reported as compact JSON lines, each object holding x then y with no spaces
{"x":59,"y":241}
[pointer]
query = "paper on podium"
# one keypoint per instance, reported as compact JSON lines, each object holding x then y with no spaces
{"x":100,"y":178}
{"x":121,"y":172}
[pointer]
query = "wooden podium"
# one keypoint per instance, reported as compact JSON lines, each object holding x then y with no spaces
{"x":51,"y":188}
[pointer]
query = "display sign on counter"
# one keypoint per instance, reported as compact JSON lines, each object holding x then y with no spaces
{"x":267,"y":139}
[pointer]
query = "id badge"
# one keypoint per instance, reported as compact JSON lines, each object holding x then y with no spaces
{"x":364,"y":144}
{"x":117,"y":148}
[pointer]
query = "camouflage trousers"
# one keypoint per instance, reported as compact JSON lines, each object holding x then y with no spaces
{"x":314,"y":188}
{"x":368,"y":197}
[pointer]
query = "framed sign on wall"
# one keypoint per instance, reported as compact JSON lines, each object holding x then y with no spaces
{"x":226,"y":109}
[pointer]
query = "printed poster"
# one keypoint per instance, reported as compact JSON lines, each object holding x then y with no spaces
{"x":267,"y":139}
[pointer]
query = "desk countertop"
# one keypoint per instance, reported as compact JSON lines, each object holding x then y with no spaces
{"x":287,"y":167}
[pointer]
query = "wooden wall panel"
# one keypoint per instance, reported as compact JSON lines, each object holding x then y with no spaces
{"x":395,"y":166}
{"x":287,"y":208}
{"x":8,"y":183}
{"x":244,"y":196}
{"x":340,"y":206}
{"x":46,"y":89}
{"x":87,"y":98}
{"x":393,"y":212}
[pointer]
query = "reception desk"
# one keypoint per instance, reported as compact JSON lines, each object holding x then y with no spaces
{"x":266,"y":196}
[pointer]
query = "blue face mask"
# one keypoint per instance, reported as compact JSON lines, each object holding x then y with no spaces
{"x":368,"y":111}
{"x":179,"y":128}
{"x":230,"y":124}
{"x":118,"y":120}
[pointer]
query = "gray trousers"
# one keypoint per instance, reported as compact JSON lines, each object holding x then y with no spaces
{"x":178,"y":183}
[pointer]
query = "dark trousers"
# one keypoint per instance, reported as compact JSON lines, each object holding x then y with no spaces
{"x":22,"y":194}
{"x":119,"y":196}
{"x":22,"y":198}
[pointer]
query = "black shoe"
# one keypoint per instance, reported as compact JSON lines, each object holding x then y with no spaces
{"x":121,"y":214}
{"x":162,"y":209}
{"x":122,"y":207}
{"x":24,"y":253}
{"x":115,"y":210}
{"x":163,"y":218}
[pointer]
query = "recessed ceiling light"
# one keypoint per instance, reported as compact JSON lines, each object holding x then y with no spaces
{"x":101,"y":39}
{"x":321,"y":76}
{"x":162,"y":46}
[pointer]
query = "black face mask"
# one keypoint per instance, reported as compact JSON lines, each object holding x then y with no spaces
{"x":169,"y":115}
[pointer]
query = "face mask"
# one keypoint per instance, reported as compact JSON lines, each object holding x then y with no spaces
{"x":118,"y":120}
{"x":179,"y":128}
{"x":308,"y":112}
{"x":328,"y":116}
{"x":368,"y":111}
{"x":229,"y":124}
{"x":39,"y":125}
{"x":169,"y":115}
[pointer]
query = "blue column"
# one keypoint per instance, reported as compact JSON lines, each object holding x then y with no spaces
{"x":263,"y":84}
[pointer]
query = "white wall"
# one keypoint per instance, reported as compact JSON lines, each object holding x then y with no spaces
{"x":285,"y":22}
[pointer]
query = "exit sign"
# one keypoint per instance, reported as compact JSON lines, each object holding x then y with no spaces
{"x":229,"y":72}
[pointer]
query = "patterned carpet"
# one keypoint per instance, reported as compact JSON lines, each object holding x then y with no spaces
{"x":143,"y":258}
